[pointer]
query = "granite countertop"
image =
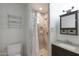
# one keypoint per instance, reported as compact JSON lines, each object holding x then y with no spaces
{"x":72,"y":48}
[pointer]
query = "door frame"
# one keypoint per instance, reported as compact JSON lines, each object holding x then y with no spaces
{"x":36,"y":44}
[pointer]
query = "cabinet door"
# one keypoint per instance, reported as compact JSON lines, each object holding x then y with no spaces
{"x":57,"y":51}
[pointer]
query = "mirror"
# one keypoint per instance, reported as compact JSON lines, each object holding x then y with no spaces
{"x":68,"y":22}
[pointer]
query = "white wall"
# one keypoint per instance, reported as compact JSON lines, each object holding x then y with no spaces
{"x":15,"y":35}
{"x":55,"y":11}
{"x":28,"y":29}
{"x":10,"y":35}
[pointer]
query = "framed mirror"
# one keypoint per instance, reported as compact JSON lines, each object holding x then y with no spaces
{"x":68,"y":23}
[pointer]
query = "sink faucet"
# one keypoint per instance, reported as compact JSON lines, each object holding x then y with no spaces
{"x":69,"y":42}
{"x":65,"y":41}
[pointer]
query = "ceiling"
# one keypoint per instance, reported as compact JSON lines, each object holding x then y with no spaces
{"x":37,"y":6}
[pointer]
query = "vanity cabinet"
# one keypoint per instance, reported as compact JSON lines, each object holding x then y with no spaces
{"x":58,"y":51}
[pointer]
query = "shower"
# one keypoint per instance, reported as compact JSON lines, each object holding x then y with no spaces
{"x":40,"y":16}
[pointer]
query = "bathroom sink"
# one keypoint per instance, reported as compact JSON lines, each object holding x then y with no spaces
{"x":67,"y":46}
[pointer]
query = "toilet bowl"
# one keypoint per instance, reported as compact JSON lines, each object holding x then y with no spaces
{"x":14,"y":49}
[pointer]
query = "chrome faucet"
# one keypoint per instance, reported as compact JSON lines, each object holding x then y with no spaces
{"x":68,"y":42}
{"x":65,"y":41}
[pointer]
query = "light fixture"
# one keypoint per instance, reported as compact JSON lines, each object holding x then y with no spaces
{"x":40,"y":8}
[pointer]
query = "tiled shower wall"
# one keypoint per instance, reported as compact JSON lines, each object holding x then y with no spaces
{"x":42,"y":25}
{"x":40,"y":30}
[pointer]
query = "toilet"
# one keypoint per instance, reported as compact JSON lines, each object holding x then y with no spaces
{"x":14,"y":49}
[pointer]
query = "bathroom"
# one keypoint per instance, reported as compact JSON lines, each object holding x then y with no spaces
{"x":34,"y":29}
{"x":19,"y":33}
{"x":40,"y":17}
{"x":13,"y":29}
{"x":66,"y":44}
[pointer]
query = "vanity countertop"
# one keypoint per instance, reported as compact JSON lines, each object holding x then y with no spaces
{"x":72,"y":48}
